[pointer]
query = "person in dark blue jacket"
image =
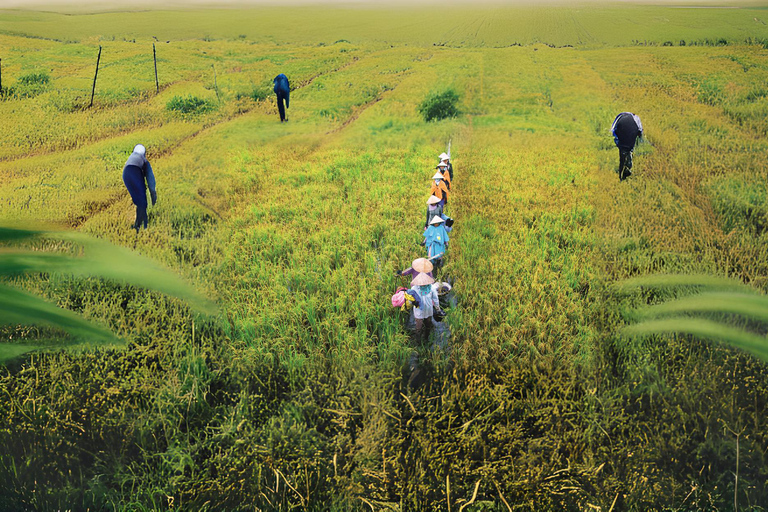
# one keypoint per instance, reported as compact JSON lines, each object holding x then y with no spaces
{"x":136,"y":171}
{"x":283,"y":91}
{"x":626,"y":129}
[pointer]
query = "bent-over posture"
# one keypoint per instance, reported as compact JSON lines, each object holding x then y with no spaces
{"x":283,"y":91}
{"x":136,"y":171}
{"x":626,"y":129}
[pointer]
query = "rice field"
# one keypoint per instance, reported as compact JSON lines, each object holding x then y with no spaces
{"x":294,"y":396}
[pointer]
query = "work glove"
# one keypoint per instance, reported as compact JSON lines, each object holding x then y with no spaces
{"x":398,"y":272}
{"x":153,"y":194}
{"x":449,"y":222}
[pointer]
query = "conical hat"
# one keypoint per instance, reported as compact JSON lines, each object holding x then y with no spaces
{"x":422,"y":265}
{"x":436,"y":220}
{"x":433,"y":199}
{"x":422,"y":280}
{"x":437,"y":176}
{"x":444,"y":156}
{"x":442,"y":164}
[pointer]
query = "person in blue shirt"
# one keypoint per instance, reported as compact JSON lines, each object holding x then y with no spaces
{"x":626,"y":129}
{"x":136,"y":171}
{"x":283,"y":91}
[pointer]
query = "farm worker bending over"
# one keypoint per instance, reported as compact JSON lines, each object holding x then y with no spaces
{"x":135,"y":172}
{"x":436,"y":239}
{"x":626,"y":129}
{"x":428,"y":303}
{"x":439,"y":189}
{"x":419,"y":266}
{"x":442,"y":168}
{"x":283,"y":91}
{"x":446,"y":158}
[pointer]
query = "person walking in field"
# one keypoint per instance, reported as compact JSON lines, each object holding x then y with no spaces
{"x":283,"y":91}
{"x":429,"y":303}
{"x":136,"y":172}
{"x":446,"y":159}
{"x":442,"y":168}
{"x":439,"y":189}
{"x":626,"y":129}
{"x":436,"y":240}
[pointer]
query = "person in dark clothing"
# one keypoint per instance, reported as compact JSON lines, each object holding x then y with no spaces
{"x":626,"y":129}
{"x":136,"y":171}
{"x":283,"y":91}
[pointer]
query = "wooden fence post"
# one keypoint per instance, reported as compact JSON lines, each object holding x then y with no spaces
{"x":215,"y":83}
{"x":93,"y":90}
{"x":154,"y":56}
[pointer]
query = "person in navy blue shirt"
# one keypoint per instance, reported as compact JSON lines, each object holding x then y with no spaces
{"x":283,"y":91}
{"x":626,"y":129}
{"x":136,"y":171}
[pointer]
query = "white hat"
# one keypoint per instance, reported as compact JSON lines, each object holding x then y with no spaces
{"x":433,"y":199}
{"x":140,"y":149}
{"x":437,"y":176}
{"x":444,"y":156}
{"x":436,"y":220}
{"x":422,"y":280}
{"x":442,"y":164}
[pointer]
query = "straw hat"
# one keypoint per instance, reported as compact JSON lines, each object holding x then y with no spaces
{"x":444,"y":156}
{"x":436,"y":220}
{"x":442,"y":287}
{"x":441,"y":165}
{"x":422,"y":280}
{"x":422,"y":265}
{"x":437,"y":176}
{"x":433,"y":199}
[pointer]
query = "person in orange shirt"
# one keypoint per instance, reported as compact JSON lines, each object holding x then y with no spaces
{"x":439,"y":189}
{"x":442,"y":168}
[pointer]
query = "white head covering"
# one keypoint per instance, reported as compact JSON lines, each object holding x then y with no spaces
{"x":442,"y":165}
{"x":444,"y":156}
{"x":140,"y":150}
{"x":437,"y":176}
{"x":436,"y":220}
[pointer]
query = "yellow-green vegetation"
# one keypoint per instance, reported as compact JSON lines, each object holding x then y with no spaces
{"x":295,"y":398}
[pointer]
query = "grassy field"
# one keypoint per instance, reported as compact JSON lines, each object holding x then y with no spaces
{"x":295,"y":396}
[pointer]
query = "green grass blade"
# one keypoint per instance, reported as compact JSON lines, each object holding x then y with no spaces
{"x":748,"y":306}
{"x":701,"y":328}
{"x":17,"y":307}
{"x":10,"y":351}
{"x":12,"y":234}
{"x":105,"y":260}
{"x":679,"y":280}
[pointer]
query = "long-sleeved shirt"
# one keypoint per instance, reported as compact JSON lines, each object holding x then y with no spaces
{"x":142,"y":163}
{"x":626,"y":128}
{"x":428,"y":303}
{"x":435,"y":238}
{"x":410,"y":271}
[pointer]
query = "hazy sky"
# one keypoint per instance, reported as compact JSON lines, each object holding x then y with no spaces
{"x":115,"y":4}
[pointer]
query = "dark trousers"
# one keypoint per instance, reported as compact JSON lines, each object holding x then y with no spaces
{"x":423,"y":328}
{"x":625,"y":162}
{"x":282,"y":101}
{"x":133,"y":177}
